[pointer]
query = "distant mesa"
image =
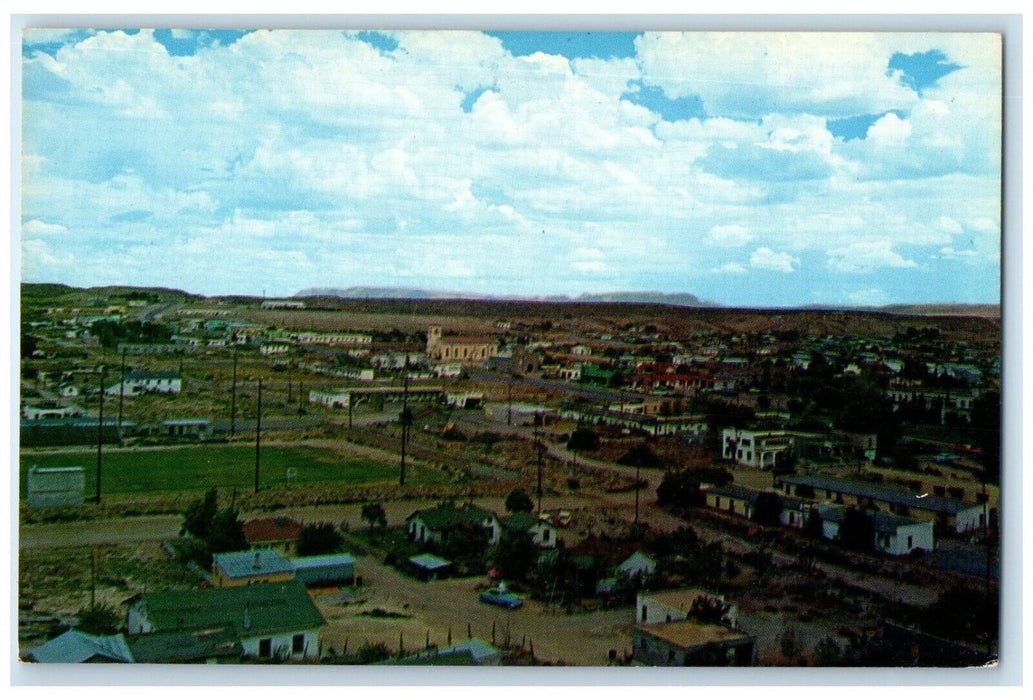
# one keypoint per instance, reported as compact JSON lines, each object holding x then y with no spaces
{"x":674,"y":299}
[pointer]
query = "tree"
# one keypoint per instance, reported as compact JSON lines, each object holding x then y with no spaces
{"x":767,"y":510}
{"x":828,"y":653}
{"x":708,"y":609}
{"x":584,"y":439}
{"x":227,"y":533}
{"x":98,"y":619}
{"x":373,"y":513}
{"x":789,"y":643}
{"x":464,"y":540}
{"x":319,"y":538}
{"x":515,"y":554}
{"x":199,"y":516}
{"x":679,"y":490}
{"x":986,"y":421}
{"x":857,"y":531}
{"x":641,"y":455}
{"x":518,"y":501}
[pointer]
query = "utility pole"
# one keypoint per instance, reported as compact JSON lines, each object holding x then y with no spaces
{"x":100,"y":430}
{"x":405,"y":419}
{"x":122,"y":389}
{"x":233,"y":397}
{"x":539,"y":447}
{"x":638,"y":483}
{"x":258,"y":433}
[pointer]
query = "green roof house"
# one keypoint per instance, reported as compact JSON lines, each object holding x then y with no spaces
{"x":272,"y":620}
{"x":431,"y":524}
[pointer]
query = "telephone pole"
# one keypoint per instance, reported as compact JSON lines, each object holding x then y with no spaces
{"x":539,"y":447}
{"x":258,"y":433}
{"x":122,"y":389}
{"x":100,"y":430}
{"x":405,"y":419}
{"x":233,"y":397}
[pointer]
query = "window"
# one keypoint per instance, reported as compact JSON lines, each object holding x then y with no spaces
{"x":265,"y":647}
{"x":298,"y":644}
{"x":645,"y":618}
{"x":909,"y":542}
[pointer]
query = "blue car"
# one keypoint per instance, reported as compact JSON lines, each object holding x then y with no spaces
{"x":501,"y":597}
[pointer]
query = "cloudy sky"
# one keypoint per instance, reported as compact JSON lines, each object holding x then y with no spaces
{"x":757,"y":169}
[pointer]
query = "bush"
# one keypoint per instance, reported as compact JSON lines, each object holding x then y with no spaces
{"x":319,"y":538}
{"x":372,"y":653}
{"x":98,"y":619}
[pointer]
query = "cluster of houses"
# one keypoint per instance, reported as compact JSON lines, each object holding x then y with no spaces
{"x":431,"y":526}
{"x":901,"y":521}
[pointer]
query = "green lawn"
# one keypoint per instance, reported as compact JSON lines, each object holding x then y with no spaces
{"x":204,"y":466}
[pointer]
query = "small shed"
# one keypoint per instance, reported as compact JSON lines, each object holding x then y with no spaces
{"x":324,"y":570}
{"x":57,"y":486}
{"x":429,"y":567}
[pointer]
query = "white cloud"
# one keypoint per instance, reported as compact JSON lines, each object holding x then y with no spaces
{"x":866,"y":256}
{"x":729,"y":236}
{"x":732,"y":268}
{"x":35,"y":227}
{"x":767,"y":259}
{"x":948,"y":225}
{"x":318,"y":143}
{"x":867,"y":297}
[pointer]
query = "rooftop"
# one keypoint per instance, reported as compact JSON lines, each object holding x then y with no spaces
{"x":185,"y":647}
{"x":429,"y":562}
{"x":880,"y":493}
{"x":264,"y":562}
{"x":248,"y":610}
{"x":278,"y":529}
{"x":687,"y":634}
{"x":681,"y":599}
{"x":75,"y":647}
{"x":440,"y":517}
{"x":321,"y":560}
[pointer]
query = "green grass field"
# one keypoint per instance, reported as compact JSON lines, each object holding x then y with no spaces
{"x":224,"y":466}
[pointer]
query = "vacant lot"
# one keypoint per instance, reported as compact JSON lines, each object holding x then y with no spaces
{"x":223,"y":466}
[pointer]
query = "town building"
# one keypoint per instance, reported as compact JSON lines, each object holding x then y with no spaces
{"x":250,"y":567}
{"x":324,"y":569}
{"x":755,"y":448}
{"x":136,"y":383}
{"x":543,"y":535}
{"x":951,"y":514}
{"x":467,"y":350}
{"x":433,"y":524}
{"x":54,"y":487}
{"x":279,"y":533}
{"x":472,"y":652}
{"x":891,"y":534}
{"x":271,"y":620}
{"x":690,"y":643}
{"x":78,"y":647}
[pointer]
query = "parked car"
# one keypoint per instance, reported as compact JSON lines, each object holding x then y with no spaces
{"x":502,"y":597}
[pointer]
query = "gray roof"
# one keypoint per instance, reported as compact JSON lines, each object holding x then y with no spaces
{"x":75,"y":647}
{"x":322,"y":560}
{"x":258,"y":562}
{"x":194,"y":646}
{"x":883,"y":522}
{"x":886,"y":494}
{"x":429,"y":562}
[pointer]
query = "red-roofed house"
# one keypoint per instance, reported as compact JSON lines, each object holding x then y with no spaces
{"x":279,"y":533}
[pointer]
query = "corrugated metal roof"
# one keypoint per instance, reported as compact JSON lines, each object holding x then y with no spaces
{"x":258,"y":562}
{"x":886,"y":494}
{"x":270,"y":607}
{"x":316,"y":562}
{"x":429,"y":561}
{"x":75,"y":647}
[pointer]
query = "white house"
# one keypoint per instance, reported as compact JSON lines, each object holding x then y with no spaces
{"x":638,"y":565}
{"x":754,"y":448}
{"x":433,"y":524}
{"x":543,"y":535}
{"x":894,"y":534}
{"x":272,"y":620}
{"x":661,"y":607}
{"x":136,"y":383}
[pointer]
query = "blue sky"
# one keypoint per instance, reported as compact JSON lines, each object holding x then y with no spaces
{"x":759,"y":169}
